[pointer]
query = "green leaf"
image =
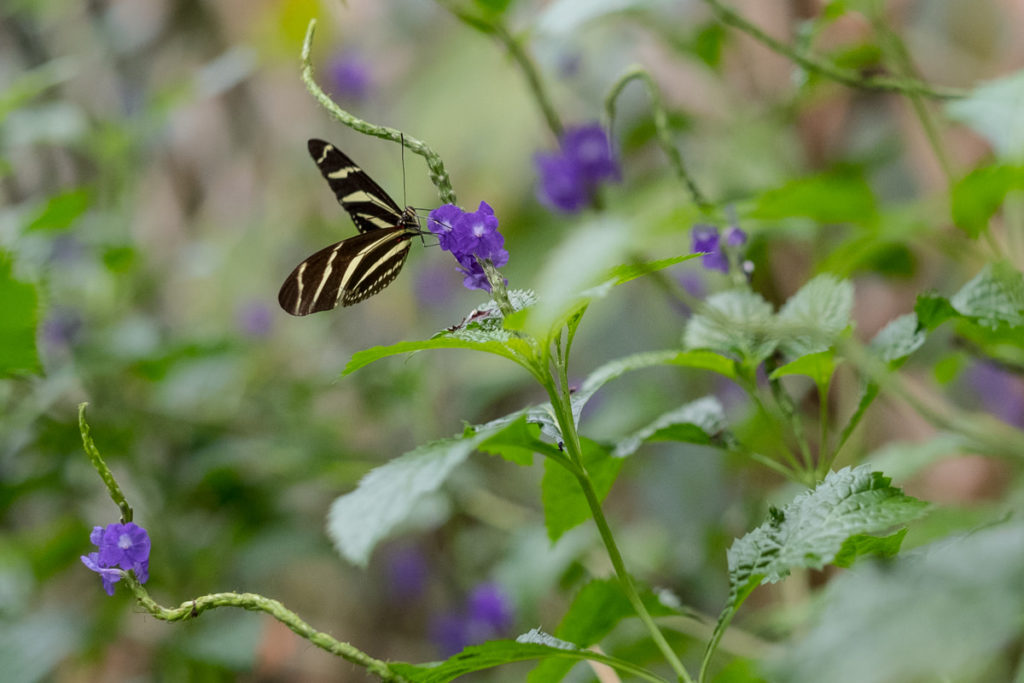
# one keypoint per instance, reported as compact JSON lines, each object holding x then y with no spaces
{"x":839,"y":196}
{"x":698,"y":422}
{"x":993,"y":111}
{"x":493,"y":7}
{"x":813,"y":318}
{"x":18,"y":317}
{"x":904,"y":459}
{"x":387,"y":496}
{"x":61,"y":211}
{"x":945,"y":612}
{"x":363,"y":358}
{"x":979,"y":194}
{"x":932,"y":310}
{"x":736,"y":322}
{"x":565,"y":506}
{"x":993,"y":296}
{"x":818,"y":366}
{"x":812,"y":530}
{"x":533,"y":645}
{"x":868,"y":394}
{"x":898,"y":339}
{"x":628,"y":272}
{"x":863,"y":545}
{"x":516,"y":443}
{"x":597,"y":608}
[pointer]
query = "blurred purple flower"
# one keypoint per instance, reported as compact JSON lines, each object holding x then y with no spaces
{"x":61,"y":328}
{"x":254,"y":319}
{"x":407,"y":572}
{"x":349,"y":76}
{"x":569,"y":177}
{"x":124,"y":546}
{"x":705,"y":239}
{"x":1000,"y":392}
{"x":470,"y":236}
{"x":488,"y":614}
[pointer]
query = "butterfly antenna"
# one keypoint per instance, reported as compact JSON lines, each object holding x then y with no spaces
{"x":405,"y":195}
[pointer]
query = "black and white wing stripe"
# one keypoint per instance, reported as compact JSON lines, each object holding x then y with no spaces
{"x":347,"y":272}
{"x":370,"y":206}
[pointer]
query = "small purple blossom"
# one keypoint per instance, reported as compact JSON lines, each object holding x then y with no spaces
{"x":407,"y":572}
{"x":254,"y":319}
{"x":706,"y":240}
{"x":569,"y":177}
{"x":1000,"y":392}
{"x":350,"y":76}
{"x":470,"y":237}
{"x":124,"y":546}
{"x":488,"y":614}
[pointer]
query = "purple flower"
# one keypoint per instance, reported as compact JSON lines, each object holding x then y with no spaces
{"x":488,"y":614}
{"x":1000,"y":392}
{"x":488,"y":606}
{"x":705,"y":240}
{"x":124,"y":546}
{"x":407,"y":572}
{"x":61,"y":329}
{"x":589,"y":148}
{"x":350,"y":76}
{"x":561,"y":186}
{"x":569,"y":177}
{"x":254,"y":319}
{"x":470,"y":237}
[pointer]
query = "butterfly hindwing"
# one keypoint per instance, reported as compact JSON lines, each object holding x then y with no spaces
{"x":370,"y":206}
{"x":346,"y":272}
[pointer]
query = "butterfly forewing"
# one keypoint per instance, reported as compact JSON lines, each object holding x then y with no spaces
{"x":370,"y":206}
{"x":358,"y":267}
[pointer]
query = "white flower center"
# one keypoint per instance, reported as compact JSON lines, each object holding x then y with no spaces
{"x":124,"y":542}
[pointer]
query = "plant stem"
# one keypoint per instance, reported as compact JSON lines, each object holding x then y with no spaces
{"x":675,"y":157}
{"x":847,"y":77}
{"x":101,"y":467}
{"x":258,"y":603}
{"x":438,"y":174}
{"x":560,"y":402}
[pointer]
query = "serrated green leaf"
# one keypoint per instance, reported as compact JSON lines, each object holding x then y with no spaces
{"x":695,"y":422}
{"x":18,"y":316}
{"x":840,"y":196}
{"x":533,"y":645}
{"x":898,"y":339}
{"x":61,"y":211}
{"x":976,"y":197}
{"x":995,"y":295}
{"x":993,"y":111}
{"x":813,"y":318}
{"x":818,"y":366}
{"x":943,"y":612}
{"x":810,"y":531}
{"x":932,"y":310}
{"x":387,"y":495}
{"x":565,"y":506}
{"x":737,"y":322}
{"x":363,"y":358}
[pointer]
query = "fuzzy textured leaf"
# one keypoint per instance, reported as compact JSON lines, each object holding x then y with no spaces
{"x":993,"y":111}
{"x":899,"y":338}
{"x":993,"y":296}
{"x":813,"y":318}
{"x":737,"y":323}
{"x":565,"y":506}
{"x":705,"y":418}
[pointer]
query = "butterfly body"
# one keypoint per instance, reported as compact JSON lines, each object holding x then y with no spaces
{"x":356,"y":268}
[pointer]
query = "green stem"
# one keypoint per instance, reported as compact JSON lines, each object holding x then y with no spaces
{"x":101,"y":467}
{"x":847,"y":77}
{"x":498,"y":289}
{"x":563,"y":412}
{"x":258,"y":603}
{"x":825,"y":454}
{"x":905,"y":68}
{"x":438,"y":174}
{"x":661,"y":127}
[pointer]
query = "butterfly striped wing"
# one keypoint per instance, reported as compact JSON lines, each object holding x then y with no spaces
{"x":347,"y":272}
{"x":370,"y":206}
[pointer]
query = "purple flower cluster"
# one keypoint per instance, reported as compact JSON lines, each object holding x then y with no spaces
{"x":569,"y":177}
{"x":471,"y":238}
{"x":488,"y":614}
{"x":349,"y":76}
{"x":124,"y":546}
{"x":707,"y":241}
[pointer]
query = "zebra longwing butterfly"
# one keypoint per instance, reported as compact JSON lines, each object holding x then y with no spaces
{"x":358,"y":267}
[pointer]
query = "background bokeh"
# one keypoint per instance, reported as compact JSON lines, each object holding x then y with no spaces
{"x":155,"y":185}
